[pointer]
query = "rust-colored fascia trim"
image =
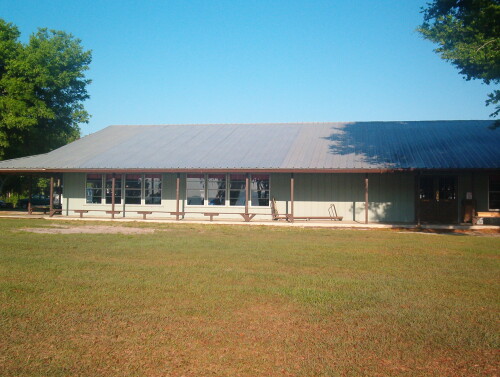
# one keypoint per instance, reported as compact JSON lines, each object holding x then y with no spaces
{"x":17,"y":171}
{"x":300,"y":170}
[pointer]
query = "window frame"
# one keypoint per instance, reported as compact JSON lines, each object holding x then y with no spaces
{"x":103,"y":194}
{"x":141,"y":190}
{"x":227,"y":201}
{"x":268,"y":190}
{"x":143,"y":195}
{"x":204,"y":189}
{"x":120,"y":188}
{"x":236,"y":190}
{"x":208,"y":190}
{"x":496,"y":177}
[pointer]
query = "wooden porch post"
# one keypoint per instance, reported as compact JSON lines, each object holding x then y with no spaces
{"x":59,"y":191}
{"x":417,"y":194}
{"x":473,"y":193}
{"x":246,"y":193}
{"x":113,"y":183}
{"x":292,"y":182}
{"x":51,"y":200}
{"x":177,"y":190}
{"x":30,"y":193}
{"x":366,"y":198}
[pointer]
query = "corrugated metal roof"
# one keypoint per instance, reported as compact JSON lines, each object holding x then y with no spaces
{"x":294,"y":146}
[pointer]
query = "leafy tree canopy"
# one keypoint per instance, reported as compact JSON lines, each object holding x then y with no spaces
{"x":467,"y":33}
{"x":42,"y":89}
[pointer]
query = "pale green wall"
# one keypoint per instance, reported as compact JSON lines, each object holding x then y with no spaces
{"x":391,"y":196}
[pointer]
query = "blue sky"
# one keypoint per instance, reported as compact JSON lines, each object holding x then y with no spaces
{"x":171,"y":62}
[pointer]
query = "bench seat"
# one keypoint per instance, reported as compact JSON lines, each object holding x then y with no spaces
{"x":481,"y":215}
{"x":81,"y":211}
{"x":144,"y":213}
{"x":43,"y":209}
{"x":211,"y":214}
{"x":337,"y":218}
{"x":54,"y":211}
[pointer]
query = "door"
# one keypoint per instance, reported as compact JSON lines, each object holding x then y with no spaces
{"x":438,"y":199}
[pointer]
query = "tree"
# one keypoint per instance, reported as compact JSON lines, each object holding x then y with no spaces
{"x":468,"y":35}
{"x":42,"y":89}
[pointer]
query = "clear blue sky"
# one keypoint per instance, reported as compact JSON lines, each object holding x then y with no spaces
{"x":232,"y":61}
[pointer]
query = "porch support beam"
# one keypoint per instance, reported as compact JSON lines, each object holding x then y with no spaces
{"x":30,"y":193}
{"x":177,"y":192}
{"x":366,"y":198}
{"x":247,"y":189}
{"x":292,"y":184}
{"x":51,"y":199}
{"x":417,"y":198}
{"x":113,"y":187}
{"x":59,"y":191}
{"x":473,"y":193}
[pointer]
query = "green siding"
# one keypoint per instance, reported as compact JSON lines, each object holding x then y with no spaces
{"x":391,"y":196}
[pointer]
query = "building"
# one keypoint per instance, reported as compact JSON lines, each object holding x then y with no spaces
{"x":395,"y":172}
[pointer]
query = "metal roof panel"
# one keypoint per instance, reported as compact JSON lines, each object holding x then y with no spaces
{"x":285,"y":146}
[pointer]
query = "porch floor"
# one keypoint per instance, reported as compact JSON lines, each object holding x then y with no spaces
{"x":297,"y":223}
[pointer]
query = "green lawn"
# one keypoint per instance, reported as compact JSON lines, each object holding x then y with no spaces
{"x":202,"y":300}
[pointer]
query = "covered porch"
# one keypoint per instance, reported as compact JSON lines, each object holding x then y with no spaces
{"x":374,"y":197}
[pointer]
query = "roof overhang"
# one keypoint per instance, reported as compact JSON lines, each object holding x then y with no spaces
{"x":250,"y":170}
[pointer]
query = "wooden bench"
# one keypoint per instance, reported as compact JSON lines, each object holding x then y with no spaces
{"x":307,"y":218}
{"x":211,"y":214}
{"x":481,"y":215}
{"x":43,"y":209}
{"x":275,"y":214}
{"x":248,"y":216}
{"x":144,"y":213}
{"x":81,"y":211}
{"x":54,"y":211}
{"x":113,"y":213}
{"x":332,"y":211}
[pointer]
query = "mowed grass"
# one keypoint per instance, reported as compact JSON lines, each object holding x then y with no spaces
{"x":201,"y":300}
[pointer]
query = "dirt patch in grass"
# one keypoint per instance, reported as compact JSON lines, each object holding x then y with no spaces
{"x":91,"y":229}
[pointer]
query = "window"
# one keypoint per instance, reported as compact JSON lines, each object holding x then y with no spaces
{"x":195,"y":189}
{"x":133,"y":185}
{"x":152,"y":188}
{"x":447,"y":188}
{"x":237,"y":189}
{"x":109,"y":188}
{"x":494,"y":193}
{"x":426,"y":189}
{"x":216,"y":189}
{"x":93,"y":188}
{"x":259,"y":190}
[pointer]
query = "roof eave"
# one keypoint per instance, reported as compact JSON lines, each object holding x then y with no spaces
{"x":249,"y":170}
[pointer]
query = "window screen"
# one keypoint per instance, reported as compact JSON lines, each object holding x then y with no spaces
{"x":133,"y":185}
{"x":93,"y":188}
{"x":237,"y":190}
{"x":259,"y":190}
{"x":152,"y":188}
{"x":494,"y":193}
{"x":195,"y":189}
{"x":216,"y":189}
{"x":109,"y":188}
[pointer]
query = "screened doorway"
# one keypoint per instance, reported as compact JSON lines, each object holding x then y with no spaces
{"x":438,"y":199}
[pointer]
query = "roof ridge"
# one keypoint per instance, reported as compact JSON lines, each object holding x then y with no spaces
{"x":219,"y":124}
{"x":295,"y":123}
